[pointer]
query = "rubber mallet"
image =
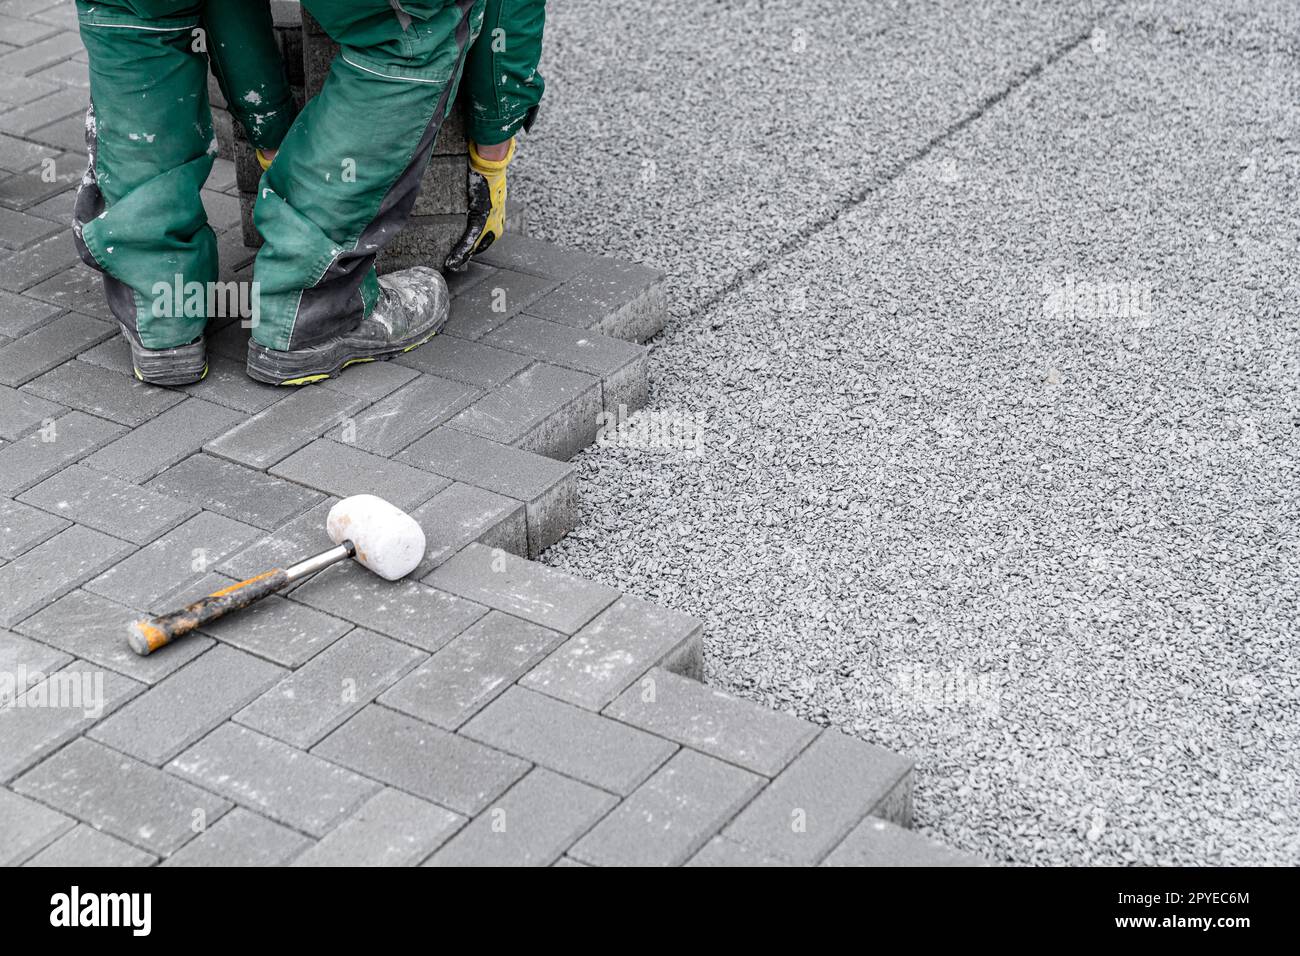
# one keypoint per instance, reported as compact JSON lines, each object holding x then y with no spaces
{"x":381,"y":537}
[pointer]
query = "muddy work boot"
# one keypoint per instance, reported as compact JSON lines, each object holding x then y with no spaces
{"x":182,"y":365}
{"x":411,"y":308}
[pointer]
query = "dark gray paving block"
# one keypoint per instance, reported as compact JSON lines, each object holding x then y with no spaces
{"x":390,"y":829}
{"x":121,"y":796}
{"x":52,"y":343}
{"x":241,"y":838}
{"x":33,"y":192}
{"x":462,"y":360}
{"x":371,"y":380}
{"x":28,"y":119}
{"x":421,"y":759}
{"x":18,"y":154}
{"x":106,"y":503}
{"x":460,"y":679}
{"x":180,"y":709}
{"x":407,"y":610}
{"x":175,"y":434}
{"x":711,"y":720}
{"x":78,"y":288}
{"x":24,"y":662}
{"x":343,"y":470}
{"x":85,"y":846}
{"x":621,"y":299}
{"x":28,"y":59}
{"x":532,"y":824}
{"x":460,"y":514}
{"x":94,"y":628}
{"x":227,"y":488}
{"x":524,"y":254}
{"x":618,"y":646}
{"x":671,"y":815}
{"x":280,"y":630}
{"x":523,"y":588}
{"x":19,"y":314}
{"x":19,"y":230}
{"x":176,"y":560}
{"x":288,"y":544}
{"x":98,"y":391}
{"x":23,"y":527}
{"x":821,"y":796}
{"x":486,"y":305}
{"x":52,"y":447}
{"x":309,"y":703}
{"x":876,"y":842}
{"x":227,"y":383}
{"x":26,"y":827}
{"x":29,"y":266}
{"x":723,"y":852}
{"x":473,"y":274}
{"x":52,"y":569}
{"x":391,"y":424}
{"x":277,"y":432}
{"x":575,"y":742}
{"x":274,"y":779}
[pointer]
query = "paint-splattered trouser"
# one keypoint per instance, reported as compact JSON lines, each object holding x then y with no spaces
{"x":348,"y":167}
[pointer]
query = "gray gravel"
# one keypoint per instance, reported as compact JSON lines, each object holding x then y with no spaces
{"x":1049,"y":553}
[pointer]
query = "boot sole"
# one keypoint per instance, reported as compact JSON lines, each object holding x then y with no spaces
{"x":183,"y":365}
{"x":289,"y":368}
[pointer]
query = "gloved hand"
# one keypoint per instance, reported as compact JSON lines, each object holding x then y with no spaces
{"x":486,"y":220}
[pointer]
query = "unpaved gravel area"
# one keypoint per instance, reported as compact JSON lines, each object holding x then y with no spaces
{"x":996,"y":396}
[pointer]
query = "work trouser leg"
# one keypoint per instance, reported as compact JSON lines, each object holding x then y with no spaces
{"x":247,"y":64}
{"x":138,"y":217}
{"x":347,"y":173}
{"x":501,"y":78}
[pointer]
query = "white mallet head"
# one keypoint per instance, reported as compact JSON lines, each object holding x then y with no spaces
{"x":388,"y":541}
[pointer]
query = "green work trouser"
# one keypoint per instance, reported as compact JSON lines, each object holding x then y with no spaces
{"x":501,"y":77}
{"x":348,"y":167}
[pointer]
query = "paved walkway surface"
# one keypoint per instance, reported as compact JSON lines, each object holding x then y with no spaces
{"x":955,"y":495}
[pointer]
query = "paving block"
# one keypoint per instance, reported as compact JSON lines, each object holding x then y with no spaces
{"x":713,"y":721}
{"x":876,"y":842}
{"x":525,"y":254}
{"x":28,"y":59}
{"x":671,"y":815}
{"x":53,"y":343}
{"x":484,"y":306}
{"x":460,"y":679}
{"x":336,"y":683}
{"x":474,"y":273}
{"x":421,"y":759}
{"x":227,"y":383}
{"x":121,"y":796}
{"x":103,"y":393}
{"x":621,"y":299}
{"x":52,"y":569}
{"x":532,"y":824}
{"x":442,"y":190}
{"x":547,"y":488}
{"x":26,"y":827}
{"x":176,"y":560}
{"x":252,"y":497}
{"x":296,"y":788}
{"x":575,"y":742}
{"x":85,"y":846}
{"x":390,"y":829}
{"x":523,"y":588}
{"x":106,"y":503}
{"x":175,"y":434}
{"x":342,"y":470}
{"x":407,"y":610}
{"x":391,"y":424}
{"x":25,"y":268}
{"x":279,"y":630}
{"x":77,"y":288}
{"x":276,"y":433}
{"x":180,"y":709}
{"x":241,"y":838}
{"x":465,"y":361}
{"x":20,"y":314}
{"x":17,"y":154}
{"x":19,"y":230}
{"x":371,"y":381}
{"x":51,"y":448}
{"x":723,"y":852}
{"x":544,"y":409}
{"x":828,"y":789}
{"x":291,"y":542}
{"x":607,"y":655}
{"x":24,"y":662}
{"x":25,"y":120}
{"x":23,"y":527}
{"x":21,"y":32}
{"x":461,"y":514}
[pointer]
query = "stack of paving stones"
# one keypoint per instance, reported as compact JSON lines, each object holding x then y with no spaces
{"x":486,"y":710}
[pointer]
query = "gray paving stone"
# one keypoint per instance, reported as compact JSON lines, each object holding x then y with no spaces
{"x":227,"y":488}
{"x":18,"y":154}
{"x":23,"y":527}
{"x":486,"y":305}
{"x":390,"y":829}
{"x":523,"y":588}
{"x":122,"y":796}
{"x":34,"y":192}
{"x":274,"y":779}
{"x":391,"y":424}
{"x":52,"y":569}
{"x":29,"y":59}
{"x":24,"y":662}
{"x":309,"y":703}
{"x":176,"y":560}
{"x":25,"y":268}
{"x":472,"y":275}
{"x":85,"y":846}
{"x":53,"y":343}
{"x":106,"y":503}
{"x":24,"y":120}
{"x":421,"y":759}
{"x":52,"y":447}
{"x":22,"y":32}
{"x":180,"y":709}
{"x":713,"y":721}
{"x":26,"y":827}
{"x":288,"y":633}
{"x":371,"y":381}
{"x":20,"y":314}
{"x":300,"y":538}
{"x":547,"y":488}
{"x":276,"y":433}
{"x":621,"y":299}
{"x":821,"y":796}
{"x":77,"y":288}
{"x":227,"y":383}
{"x":524,"y":254}
{"x":407,"y":610}
{"x":19,"y":230}
{"x":175,"y":434}
{"x":876,"y":842}
{"x":532,"y":824}
{"x":723,"y":852}
{"x":101,"y":392}
{"x":607,"y":655}
{"x":671,"y":815}
{"x":460,"y":679}
{"x":241,"y":838}
{"x":462,"y":360}
{"x":461,"y":514}
{"x":342,"y":470}
{"x":575,"y":742}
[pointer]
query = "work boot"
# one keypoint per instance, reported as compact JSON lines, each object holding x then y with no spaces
{"x":412,"y":307}
{"x":182,"y":365}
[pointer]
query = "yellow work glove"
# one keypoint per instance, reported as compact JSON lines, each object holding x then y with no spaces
{"x":486,"y":220}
